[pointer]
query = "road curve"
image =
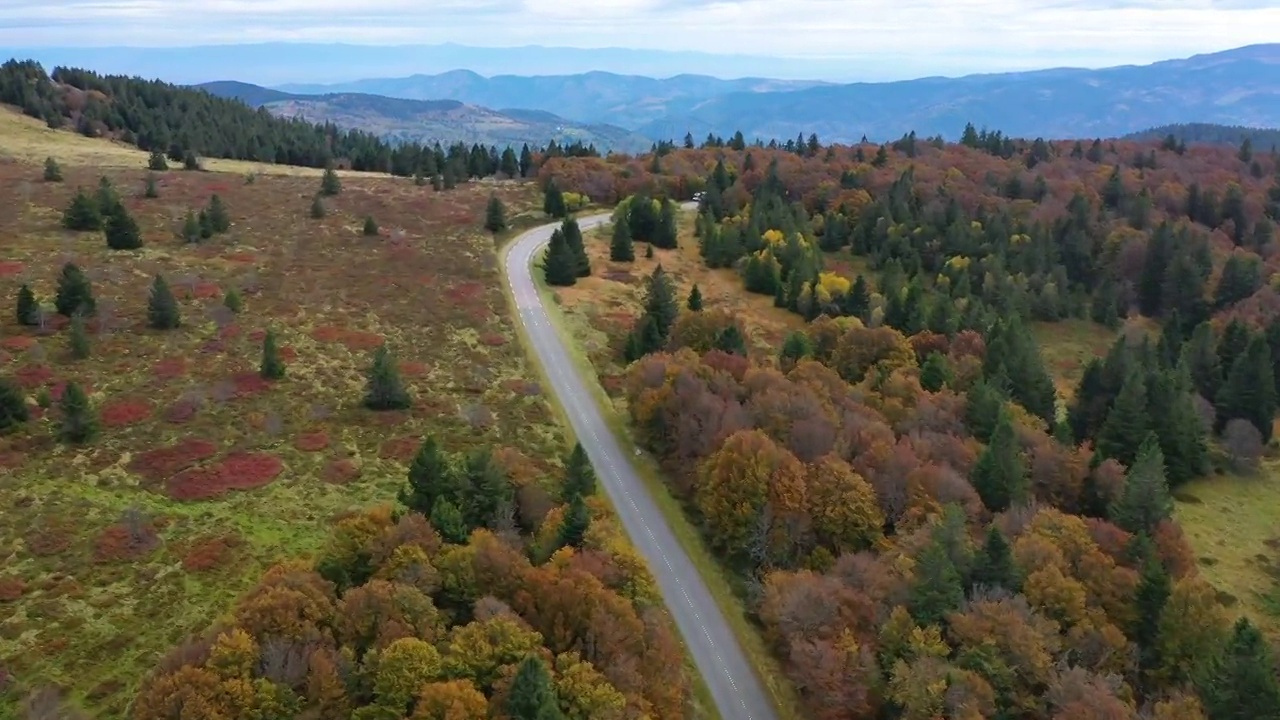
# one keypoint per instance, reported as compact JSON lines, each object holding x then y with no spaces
{"x":734,"y":686}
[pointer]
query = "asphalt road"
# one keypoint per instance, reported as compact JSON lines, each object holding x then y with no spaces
{"x":737,"y":692}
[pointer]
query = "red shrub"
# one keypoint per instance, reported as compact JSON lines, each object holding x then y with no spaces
{"x":401,"y":448}
{"x":413,"y":369}
{"x":240,"y":257}
{"x":202,"y":291}
{"x":50,"y":538}
{"x":125,"y":411}
{"x":341,"y":471}
{"x":249,"y":383}
{"x":17,"y":343}
{"x":11,"y":588}
{"x":9,"y":268}
{"x":33,"y":376}
{"x":237,"y":471}
{"x":359,"y":340}
{"x":326,"y":333}
{"x":465,"y":292}
{"x":169,"y":368}
{"x":210,"y":553}
{"x":120,"y":543}
{"x":56,"y":388}
{"x":493,"y":339}
{"x":163,"y":463}
{"x":182,"y":411}
{"x":288,"y":353}
{"x":312,"y":441}
{"x":228,"y":332}
{"x":257,"y":335}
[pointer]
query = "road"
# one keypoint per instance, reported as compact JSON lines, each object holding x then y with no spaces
{"x":735,"y":688}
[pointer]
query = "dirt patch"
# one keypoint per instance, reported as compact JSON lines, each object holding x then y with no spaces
{"x":249,"y":383}
{"x":123,"y":543}
{"x":163,"y":463}
{"x":125,"y":411}
{"x":237,"y":471}
{"x":18,"y":343}
{"x":11,"y":588}
{"x":341,"y":471}
{"x":10,"y":268}
{"x":210,"y":553}
{"x":312,"y":441}
{"x":401,"y":448}
{"x":169,"y":368}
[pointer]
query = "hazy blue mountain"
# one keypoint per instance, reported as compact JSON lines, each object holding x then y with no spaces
{"x":446,"y":121}
{"x":1236,"y":87}
{"x":626,"y":100}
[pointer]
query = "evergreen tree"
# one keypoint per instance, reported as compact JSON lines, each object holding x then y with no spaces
{"x":526,"y":160}
{"x":937,"y":588}
{"x":509,"y":165}
{"x":419,"y":178}
{"x":162,"y":307}
{"x":1250,"y":392}
{"x":694,"y":303}
{"x":559,"y":264}
{"x":78,"y":339}
{"x":219,"y":221}
{"x":232,"y":301}
{"x":52,"y":173}
{"x":857,"y":303}
{"x":532,"y":695}
{"x":1145,"y":500}
{"x":106,"y":198}
{"x":730,"y":340}
{"x":28,"y":308}
{"x":983,"y":407}
{"x":1127,"y":423}
{"x":621,"y":249}
{"x":77,"y":422}
{"x":431,"y":478}
{"x":660,"y":301}
{"x":1201,"y":360}
{"x":935,"y":373}
{"x":191,"y":228}
{"x":1177,"y":425}
{"x":272,"y":366}
{"x":488,"y":490}
{"x":1239,"y":682}
{"x":667,"y":234}
{"x":1148,"y":603}
{"x":1235,"y":338}
{"x":13,"y":406}
{"x":580,"y":477}
{"x":150,"y":190}
{"x":370,"y":226}
{"x":82,"y":214}
{"x":994,"y":566}
{"x":317,"y":208}
{"x":121,"y":230}
{"x":573,"y":236}
{"x":495,"y":215}
{"x":574,"y":527}
{"x":384,"y":389}
{"x":206,"y":227}
{"x":74,"y":295}
{"x":553,"y":201}
{"x":1000,"y":476}
{"x":447,"y":519}
{"x":330,"y":184}
{"x":796,"y":347}
{"x":157,"y":162}
{"x":190,"y":161}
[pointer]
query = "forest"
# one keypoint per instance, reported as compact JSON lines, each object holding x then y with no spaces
{"x":925,"y":525}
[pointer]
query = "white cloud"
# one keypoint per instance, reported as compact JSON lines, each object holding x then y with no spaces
{"x":884,"y":37}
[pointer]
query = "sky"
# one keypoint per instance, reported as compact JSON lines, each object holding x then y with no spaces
{"x":885,"y":39}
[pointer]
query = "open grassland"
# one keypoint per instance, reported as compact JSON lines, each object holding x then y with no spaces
{"x":112,"y":552}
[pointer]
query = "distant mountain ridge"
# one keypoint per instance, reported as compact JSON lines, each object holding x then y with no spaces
{"x":445,"y":121}
{"x":1263,"y":139}
{"x":1234,"y":87}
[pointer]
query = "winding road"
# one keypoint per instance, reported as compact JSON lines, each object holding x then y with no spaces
{"x":735,"y":688}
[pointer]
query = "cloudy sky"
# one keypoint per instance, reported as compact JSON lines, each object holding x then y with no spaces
{"x":907,"y":37}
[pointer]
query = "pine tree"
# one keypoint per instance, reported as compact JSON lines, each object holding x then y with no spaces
{"x":206,"y":227}
{"x":419,"y":178}
{"x":77,"y":422}
{"x":13,"y":406}
{"x":162,"y":307}
{"x":488,"y":489}
{"x":574,"y":527}
{"x":559,"y":264}
{"x":1000,"y":476}
{"x":1201,"y":360}
{"x":74,"y":295}
{"x":370,"y":226}
{"x":52,"y":173}
{"x":121,"y":230}
{"x":1240,"y":683}
{"x":1148,"y":603}
{"x":1145,"y":500}
{"x":580,"y":477}
{"x":82,"y":214}
{"x":573,"y":236}
{"x":660,"y":301}
{"x":796,"y":347}
{"x":150,"y":190}
{"x":28,"y":307}
{"x":526,"y":160}
{"x":384,"y":389}
{"x":447,"y":519}
{"x":667,"y":234}
{"x":1250,"y":391}
{"x":994,"y":566}
{"x":272,"y":366}
{"x":857,"y":302}
{"x":190,"y":161}
{"x":935,"y":373}
{"x":157,"y":162}
{"x":509,"y":165}
{"x":694,"y":303}
{"x":106,"y":198}
{"x":232,"y":301}
{"x":330,"y":185}
{"x":936,"y":589}
{"x":431,"y":478}
{"x":532,"y":695}
{"x":495,"y":215}
{"x":78,"y":339}
{"x":553,"y":201}
{"x":730,"y":340}
{"x":983,"y":405}
{"x":191,"y":228}
{"x":1127,"y":423}
{"x":1174,"y":419}
{"x":219,"y":221}
{"x":317,"y":208}
{"x":621,"y":249}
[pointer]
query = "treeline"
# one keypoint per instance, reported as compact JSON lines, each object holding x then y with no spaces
{"x":1190,"y":133}
{"x":182,"y":122}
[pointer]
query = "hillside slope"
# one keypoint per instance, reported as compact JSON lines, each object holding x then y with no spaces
{"x":1211,"y":134}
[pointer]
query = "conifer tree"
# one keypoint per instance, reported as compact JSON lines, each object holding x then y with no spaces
{"x":994,"y":566}
{"x":431,"y":478}
{"x":78,"y":339}
{"x":28,"y":308}
{"x":370,"y":226}
{"x":730,"y":340}
{"x":52,"y":173}
{"x":219,"y":221}
{"x":162,"y":307}
{"x":1127,"y":422}
{"x":660,"y":301}
{"x":190,"y":161}
{"x":667,"y":234}
{"x":272,"y":366}
{"x":573,"y":236}
{"x":1250,"y":391}
{"x":317,"y":208}
{"x":509,"y":165}
{"x":559,"y":264}
{"x":1149,"y":600}
{"x":121,"y":230}
{"x":106,"y":198}
{"x":419,"y":179}
{"x":487,"y":492}
{"x":232,"y":301}
{"x":330,"y":184}
{"x":206,"y":227}
{"x":621,"y":248}
{"x":1239,"y":682}
{"x":1201,"y":360}
{"x":82,"y":214}
{"x":580,"y":477}
{"x":694,"y":303}
{"x":936,"y":589}
{"x":1174,"y":419}
{"x":983,"y":407}
{"x":191,"y":228}
{"x":77,"y":422}
{"x":935,"y":373}
{"x":1145,"y":500}
{"x":157,"y":162}
{"x":495,"y":215}
{"x":553,"y":200}
{"x":532,"y":695}
{"x":447,"y":519}
{"x":384,"y":389}
{"x":526,"y":160}
{"x":74,"y":294}
{"x":574,"y":527}
{"x":13,"y":405}
{"x":1000,"y":476}
{"x":150,"y":190}
{"x":797,"y":346}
